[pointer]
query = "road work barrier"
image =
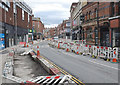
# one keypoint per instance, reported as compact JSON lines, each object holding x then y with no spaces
{"x":52,"y":80}
{"x":80,"y":47}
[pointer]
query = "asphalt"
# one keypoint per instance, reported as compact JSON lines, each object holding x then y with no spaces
{"x":85,"y":68}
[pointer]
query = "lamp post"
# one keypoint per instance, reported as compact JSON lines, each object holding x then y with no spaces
{"x":32,"y":32}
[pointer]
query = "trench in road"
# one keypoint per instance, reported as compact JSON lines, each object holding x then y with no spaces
{"x":81,"y":67}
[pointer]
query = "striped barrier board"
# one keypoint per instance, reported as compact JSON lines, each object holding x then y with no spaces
{"x":52,"y":80}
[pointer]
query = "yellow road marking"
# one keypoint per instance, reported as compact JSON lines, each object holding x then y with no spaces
{"x":63,"y":71}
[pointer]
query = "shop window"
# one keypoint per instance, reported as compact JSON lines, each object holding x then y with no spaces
{"x":89,"y":33}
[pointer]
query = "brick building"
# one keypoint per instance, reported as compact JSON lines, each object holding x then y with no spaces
{"x":66,"y":29}
{"x":38,"y":26}
{"x":15,"y":20}
{"x":98,"y":23}
{"x":63,"y":29}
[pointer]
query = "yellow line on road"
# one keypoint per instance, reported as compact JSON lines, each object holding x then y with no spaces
{"x":63,"y":71}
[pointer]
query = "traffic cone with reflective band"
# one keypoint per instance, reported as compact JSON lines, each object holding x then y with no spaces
{"x":77,"y":51}
{"x":38,"y":53}
{"x":58,"y":45}
{"x":25,"y":44}
{"x":67,"y":50}
{"x":114,"y":59}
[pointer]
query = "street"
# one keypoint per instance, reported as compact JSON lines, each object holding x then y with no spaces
{"x":85,"y":68}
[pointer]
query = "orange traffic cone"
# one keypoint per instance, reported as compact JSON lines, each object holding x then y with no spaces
{"x":58,"y":45}
{"x":67,"y":50}
{"x":114,"y":60}
{"x":77,"y":51}
{"x":38,"y":53}
{"x":25,"y":44}
{"x":32,"y":42}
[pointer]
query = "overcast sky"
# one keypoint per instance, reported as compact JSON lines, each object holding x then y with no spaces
{"x":51,"y":12}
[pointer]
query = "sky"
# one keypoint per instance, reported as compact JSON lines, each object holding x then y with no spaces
{"x":51,"y":12}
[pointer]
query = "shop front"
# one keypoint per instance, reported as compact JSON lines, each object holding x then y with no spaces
{"x":115,"y":31}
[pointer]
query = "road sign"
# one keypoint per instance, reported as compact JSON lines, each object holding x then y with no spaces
{"x":2,"y":41}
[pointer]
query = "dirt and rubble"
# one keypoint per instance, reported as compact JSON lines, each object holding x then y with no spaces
{"x":26,"y":68}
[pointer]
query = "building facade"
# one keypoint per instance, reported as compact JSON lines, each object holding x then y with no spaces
{"x":97,"y":23}
{"x":38,"y":27}
{"x":15,"y":20}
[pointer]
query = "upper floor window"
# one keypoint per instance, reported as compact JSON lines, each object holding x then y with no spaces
{"x":87,"y":16}
{"x":7,"y":3}
{"x":23,"y":14}
{"x":90,"y":15}
{"x":14,"y":7}
{"x":6,"y":8}
{"x":0,"y":4}
{"x":96,"y":13}
{"x":119,"y":8}
{"x":28,"y":18}
{"x":38,"y":24}
{"x":33,"y":23}
{"x":112,"y":8}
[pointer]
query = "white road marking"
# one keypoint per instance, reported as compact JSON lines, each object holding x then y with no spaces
{"x":103,"y":65}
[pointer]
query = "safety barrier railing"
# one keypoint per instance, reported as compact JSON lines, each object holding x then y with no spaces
{"x":80,"y":47}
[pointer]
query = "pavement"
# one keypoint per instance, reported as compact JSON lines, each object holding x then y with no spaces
{"x":24,"y":66}
{"x":85,"y":68}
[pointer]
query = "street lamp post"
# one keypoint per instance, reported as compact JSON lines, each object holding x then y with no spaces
{"x":32,"y":32}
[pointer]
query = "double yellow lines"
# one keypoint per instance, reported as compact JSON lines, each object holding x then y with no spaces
{"x":78,"y":82}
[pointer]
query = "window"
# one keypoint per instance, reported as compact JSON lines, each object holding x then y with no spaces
{"x":28,"y":18}
{"x":7,"y":3}
{"x":23,"y":15}
{"x":6,"y":8}
{"x":33,"y":23}
{"x":112,"y":9}
{"x":90,"y":15}
{"x":96,"y":12}
{"x":38,"y":24}
{"x":14,"y":7}
{"x":119,"y":8}
{"x":89,"y":34}
{"x":87,"y":16}
{"x":3,"y":6}
{"x":0,"y":4}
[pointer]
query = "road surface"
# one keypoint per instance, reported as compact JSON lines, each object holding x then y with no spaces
{"x":85,"y":68}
